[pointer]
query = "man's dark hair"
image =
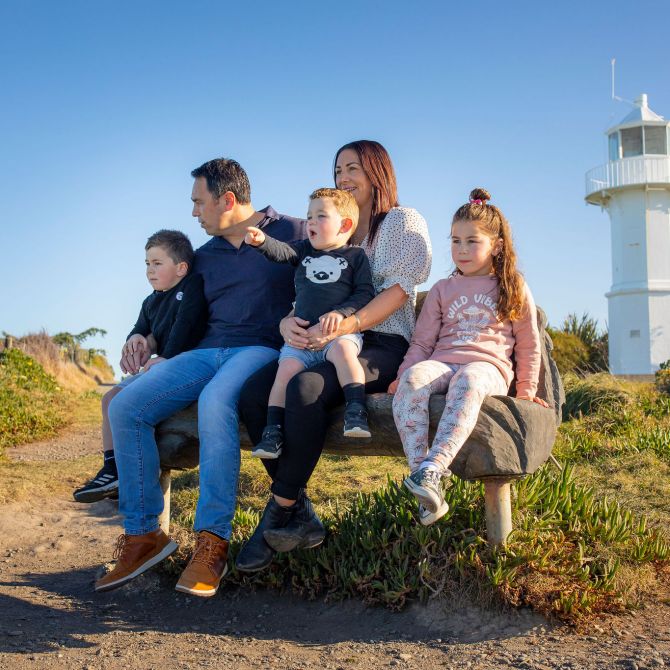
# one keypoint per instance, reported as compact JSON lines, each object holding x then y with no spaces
{"x":225,"y":174}
{"x":177,"y":246}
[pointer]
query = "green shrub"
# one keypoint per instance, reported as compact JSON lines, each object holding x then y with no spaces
{"x":663,"y":378}
{"x":584,"y":396}
{"x":597,"y":342}
{"x":570,"y":353}
{"x":32,"y":405}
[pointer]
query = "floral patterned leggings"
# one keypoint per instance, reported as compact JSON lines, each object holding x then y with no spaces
{"x":466,"y":386}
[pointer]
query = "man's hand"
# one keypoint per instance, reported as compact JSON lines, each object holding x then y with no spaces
{"x":254,"y":237}
{"x":293,"y":331}
{"x":330,"y":322}
{"x":153,"y":361}
{"x":393,"y":386}
{"x":533,"y":398}
{"x":134,"y":354}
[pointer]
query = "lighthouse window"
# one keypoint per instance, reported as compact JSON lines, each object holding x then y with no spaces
{"x":614,"y":146}
{"x":655,"y":140}
{"x":635,"y":333}
{"x":631,"y":142}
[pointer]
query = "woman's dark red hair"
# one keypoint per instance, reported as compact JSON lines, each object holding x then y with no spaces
{"x":377,"y":165}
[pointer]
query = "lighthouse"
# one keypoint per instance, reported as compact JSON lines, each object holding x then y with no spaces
{"x":634,"y":188}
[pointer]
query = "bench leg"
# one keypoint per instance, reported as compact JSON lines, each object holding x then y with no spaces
{"x":498,"y":510}
{"x":164,"y":518}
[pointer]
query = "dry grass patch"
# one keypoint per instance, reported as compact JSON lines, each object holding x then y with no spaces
{"x":41,"y":479}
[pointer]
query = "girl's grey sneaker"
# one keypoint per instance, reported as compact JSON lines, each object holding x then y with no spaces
{"x":426,"y":517}
{"x":104,"y":485}
{"x":424,"y":483}
{"x":356,"y":420}
{"x":271,"y":443}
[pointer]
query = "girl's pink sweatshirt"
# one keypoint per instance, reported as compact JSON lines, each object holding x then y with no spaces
{"x":458,"y":324}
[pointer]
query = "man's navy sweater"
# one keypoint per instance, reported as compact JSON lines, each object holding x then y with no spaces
{"x":247,"y":294}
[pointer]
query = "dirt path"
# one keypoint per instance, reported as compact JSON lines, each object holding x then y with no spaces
{"x":51,"y":551}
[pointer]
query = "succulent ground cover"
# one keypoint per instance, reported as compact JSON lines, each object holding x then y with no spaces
{"x":577,"y":549}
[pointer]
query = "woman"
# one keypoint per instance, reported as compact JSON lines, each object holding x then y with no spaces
{"x":397,"y":244}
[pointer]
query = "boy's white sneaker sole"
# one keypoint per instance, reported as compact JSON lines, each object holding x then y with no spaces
{"x":357,"y":432}
{"x":426,"y":517}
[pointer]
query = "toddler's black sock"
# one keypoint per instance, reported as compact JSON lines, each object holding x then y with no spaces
{"x":275,"y":416}
{"x":354,"y":392}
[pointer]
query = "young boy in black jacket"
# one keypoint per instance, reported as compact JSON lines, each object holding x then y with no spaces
{"x":175,"y":314}
{"x":332,"y":281}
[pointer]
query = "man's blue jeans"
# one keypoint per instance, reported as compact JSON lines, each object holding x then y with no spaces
{"x":214,"y":377}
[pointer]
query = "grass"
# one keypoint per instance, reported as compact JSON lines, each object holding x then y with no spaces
{"x":32,"y":404}
{"x":23,"y":480}
{"x":588,"y":539}
{"x":39,"y":392}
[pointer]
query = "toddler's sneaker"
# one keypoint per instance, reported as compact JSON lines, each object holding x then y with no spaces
{"x":356,"y":420}
{"x":271,"y":443}
{"x":104,"y":485}
{"x":426,"y":517}
{"x":424,"y":483}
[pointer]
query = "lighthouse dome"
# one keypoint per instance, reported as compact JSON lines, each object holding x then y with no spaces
{"x":641,"y":132}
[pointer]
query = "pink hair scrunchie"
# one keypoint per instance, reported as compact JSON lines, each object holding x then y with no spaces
{"x":476,"y":202}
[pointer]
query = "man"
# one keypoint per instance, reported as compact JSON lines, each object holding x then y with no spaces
{"x":247,"y":296}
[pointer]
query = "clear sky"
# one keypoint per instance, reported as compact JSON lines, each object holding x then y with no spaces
{"x":107,"y":106}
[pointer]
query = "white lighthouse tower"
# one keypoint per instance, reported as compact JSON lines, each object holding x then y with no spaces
{"x":634,"y":187}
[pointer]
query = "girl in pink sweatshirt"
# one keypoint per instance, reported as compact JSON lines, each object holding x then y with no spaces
{"x":470,"y":325}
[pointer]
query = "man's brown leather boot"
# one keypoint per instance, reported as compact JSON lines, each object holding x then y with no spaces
{"x":134,"y":555}
{"x":206,"y":568}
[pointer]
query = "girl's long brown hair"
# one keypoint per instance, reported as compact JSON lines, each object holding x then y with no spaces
{"x":377,"y":165}
{"x":511,"y":296}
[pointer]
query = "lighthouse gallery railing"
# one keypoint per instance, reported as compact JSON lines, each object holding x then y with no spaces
{"x":629,"y":172}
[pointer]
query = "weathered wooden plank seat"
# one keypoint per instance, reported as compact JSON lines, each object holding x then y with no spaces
{"x":512,"y":438}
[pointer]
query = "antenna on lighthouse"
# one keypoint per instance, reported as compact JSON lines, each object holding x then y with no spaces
{"x":616,"y":97}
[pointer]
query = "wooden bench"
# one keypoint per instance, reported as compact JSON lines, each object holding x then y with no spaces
{"x":512,"y":439}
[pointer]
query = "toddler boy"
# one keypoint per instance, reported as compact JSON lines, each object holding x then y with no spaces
{"x":175,"y":314}
{"x":332,"y":281}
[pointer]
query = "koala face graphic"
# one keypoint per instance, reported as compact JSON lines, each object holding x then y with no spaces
{"x":324,"y":269}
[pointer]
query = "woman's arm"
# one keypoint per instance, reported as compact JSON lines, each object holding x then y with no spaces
{"x":376,"y":311}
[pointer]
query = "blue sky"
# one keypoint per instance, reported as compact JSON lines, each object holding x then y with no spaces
{"x":107,"y":106}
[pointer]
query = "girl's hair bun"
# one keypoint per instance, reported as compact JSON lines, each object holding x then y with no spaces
{"x":480,"y":194}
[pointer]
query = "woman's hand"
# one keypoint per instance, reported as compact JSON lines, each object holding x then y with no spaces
{"x":393,"y":386}
{"x":533,"y":398}
{"x":134,"y":354}
{"x":293,"y":331}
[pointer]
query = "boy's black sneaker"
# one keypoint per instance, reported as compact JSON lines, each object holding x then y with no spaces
{"x":104,"y":485}
{"x":271,"y":443}
{"x":356,"y":420}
